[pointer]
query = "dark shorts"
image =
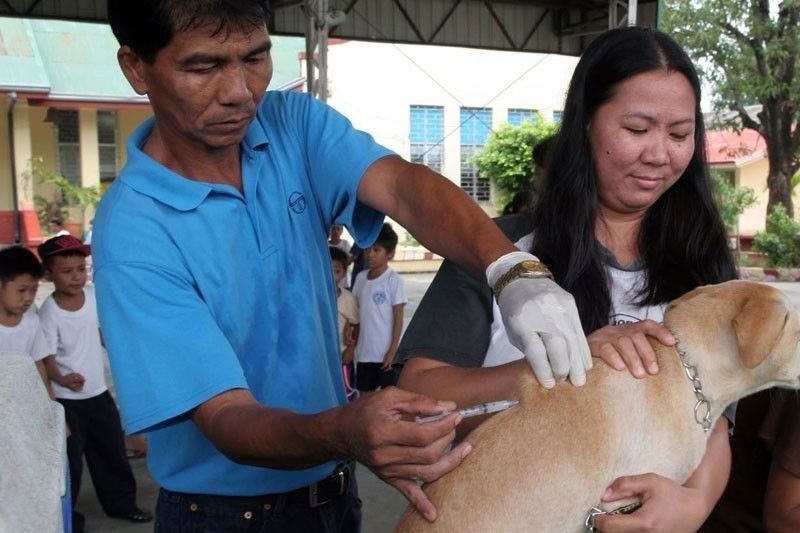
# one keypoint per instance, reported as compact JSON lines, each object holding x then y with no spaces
{"x":291,"y":512}
{"x":369,"y":377}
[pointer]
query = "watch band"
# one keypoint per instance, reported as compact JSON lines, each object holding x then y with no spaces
{"x":528,"y":269}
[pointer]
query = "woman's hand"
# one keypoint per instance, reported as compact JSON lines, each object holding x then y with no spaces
{"x":666,"y":506}
{"x":626,"y":345}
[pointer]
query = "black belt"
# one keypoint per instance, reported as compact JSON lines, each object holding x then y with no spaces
{"x":313,"y":495}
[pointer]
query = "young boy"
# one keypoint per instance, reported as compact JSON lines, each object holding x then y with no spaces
{"x":348,"y":320}
{"x":71,"y":328}
{"x":381,"y":297}
{"x":20,"y":330}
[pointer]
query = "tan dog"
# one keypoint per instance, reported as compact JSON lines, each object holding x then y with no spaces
{"x":543,"y":464}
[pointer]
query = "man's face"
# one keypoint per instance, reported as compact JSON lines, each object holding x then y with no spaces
{"x":205,"y":88}
{"x":17,"y":295}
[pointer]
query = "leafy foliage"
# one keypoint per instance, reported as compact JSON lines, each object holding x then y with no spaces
{"x":732,"y":201}
{"x":781,"y":240}
{"x":65,"y":195}
{"x":748,"y":51}
{"x":507,"y":159}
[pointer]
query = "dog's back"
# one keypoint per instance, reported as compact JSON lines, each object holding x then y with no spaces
{"x":543,"y":464}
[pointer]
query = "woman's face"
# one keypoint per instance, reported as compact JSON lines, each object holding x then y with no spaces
{"x":642,"y":140}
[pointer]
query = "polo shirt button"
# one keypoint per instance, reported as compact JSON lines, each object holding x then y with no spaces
{"x":193,"y":507}
{"x":267,"y":506}
{"x":248,"y":515}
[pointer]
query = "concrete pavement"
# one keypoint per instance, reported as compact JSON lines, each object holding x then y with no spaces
{"x":382,"y":504}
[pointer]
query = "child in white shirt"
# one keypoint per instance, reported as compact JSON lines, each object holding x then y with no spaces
{"x":381,"y":298}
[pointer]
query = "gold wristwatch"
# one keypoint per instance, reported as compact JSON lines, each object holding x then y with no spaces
{"x":528,"y":269}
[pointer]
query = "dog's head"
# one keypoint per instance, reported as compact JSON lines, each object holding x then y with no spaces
{"x":752,"y":320}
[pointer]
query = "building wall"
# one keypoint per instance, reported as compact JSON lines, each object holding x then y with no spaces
{"x":127,"y":121}
{"x":754,"y":176}
{"x":375,"y":84}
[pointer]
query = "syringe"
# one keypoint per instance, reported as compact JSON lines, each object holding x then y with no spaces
{"x":474,"y":410}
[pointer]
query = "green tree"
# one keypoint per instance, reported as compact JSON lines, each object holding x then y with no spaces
{"x":748,"y":52}
{"x":732,"y":201}
{"x":507,"y":159}
{"x":781,"y":239}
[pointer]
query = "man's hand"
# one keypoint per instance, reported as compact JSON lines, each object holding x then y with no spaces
{"x":542,"y":321}
{"x":666,"y":506}
{"x":626,"y":345}
{"x":380,"y":433}
{"x":73,"y":381}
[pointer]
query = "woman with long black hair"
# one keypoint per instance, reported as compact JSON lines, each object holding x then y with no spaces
{"x":626,"y":221}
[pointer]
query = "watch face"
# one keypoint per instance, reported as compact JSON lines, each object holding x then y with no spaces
{"x":529,"y":264}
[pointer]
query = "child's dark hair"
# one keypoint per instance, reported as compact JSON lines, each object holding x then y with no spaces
{"x":337,"y":254}
{"x":387,"y":238}
{"x":16,"y":261}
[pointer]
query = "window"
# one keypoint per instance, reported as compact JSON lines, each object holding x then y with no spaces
{"x":476,"y":124}
{"x":426,"y":136}
{"x":557,"y":116}
{"x":69,"y":148}
{"x":107,"y":144}
{"x":518,"y":116}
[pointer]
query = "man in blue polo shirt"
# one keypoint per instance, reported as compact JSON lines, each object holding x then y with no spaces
{"x":215,"y":289}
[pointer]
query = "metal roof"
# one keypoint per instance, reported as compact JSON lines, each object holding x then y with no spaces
{"x":563,"y":27}
{"x":77,"y":62}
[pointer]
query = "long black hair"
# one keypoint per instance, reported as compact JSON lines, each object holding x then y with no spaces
{"x":682,"y":240}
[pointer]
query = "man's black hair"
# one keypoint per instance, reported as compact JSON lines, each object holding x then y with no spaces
{"x":147,"y":26}
{"x":337,"y":254}
{"x":16,"y":261}
{"x":387,"y":238}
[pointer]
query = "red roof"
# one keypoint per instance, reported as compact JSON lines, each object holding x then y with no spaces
{"x":734,"y":148}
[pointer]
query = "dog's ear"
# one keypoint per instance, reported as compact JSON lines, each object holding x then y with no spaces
{"x":758,"y":327}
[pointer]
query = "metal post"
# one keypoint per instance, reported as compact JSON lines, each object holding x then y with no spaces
{"x":317,"y":48}
{"x":12,"y":156}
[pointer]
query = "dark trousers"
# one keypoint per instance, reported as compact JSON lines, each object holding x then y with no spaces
{"x":370,"y":376}
{"x":178,"y":512}
{"x":96,"y":433}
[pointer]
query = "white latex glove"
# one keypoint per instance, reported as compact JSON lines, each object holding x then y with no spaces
{"x":542,"y":321}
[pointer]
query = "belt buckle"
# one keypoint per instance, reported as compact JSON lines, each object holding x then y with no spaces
{"x":313,"y":489}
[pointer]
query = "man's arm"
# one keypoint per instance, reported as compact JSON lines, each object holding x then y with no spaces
{"x":371,"y":430}
{"x":419,"y":198}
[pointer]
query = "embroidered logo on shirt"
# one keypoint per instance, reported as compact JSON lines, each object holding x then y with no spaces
{"x":297,"y":202}
{"x":379,"y":298}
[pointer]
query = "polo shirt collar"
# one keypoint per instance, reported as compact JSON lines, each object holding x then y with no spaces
{"x":153,"y":179}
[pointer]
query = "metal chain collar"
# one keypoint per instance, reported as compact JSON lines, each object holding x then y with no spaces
{"x":702,"y":408}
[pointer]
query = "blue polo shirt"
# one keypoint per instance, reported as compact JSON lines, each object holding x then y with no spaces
{"x":202,"y":289}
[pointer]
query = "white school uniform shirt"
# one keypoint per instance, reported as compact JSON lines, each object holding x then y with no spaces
{"x":26,"y":337}
{"x":376,"y":299}
{"x":74,"y":336}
